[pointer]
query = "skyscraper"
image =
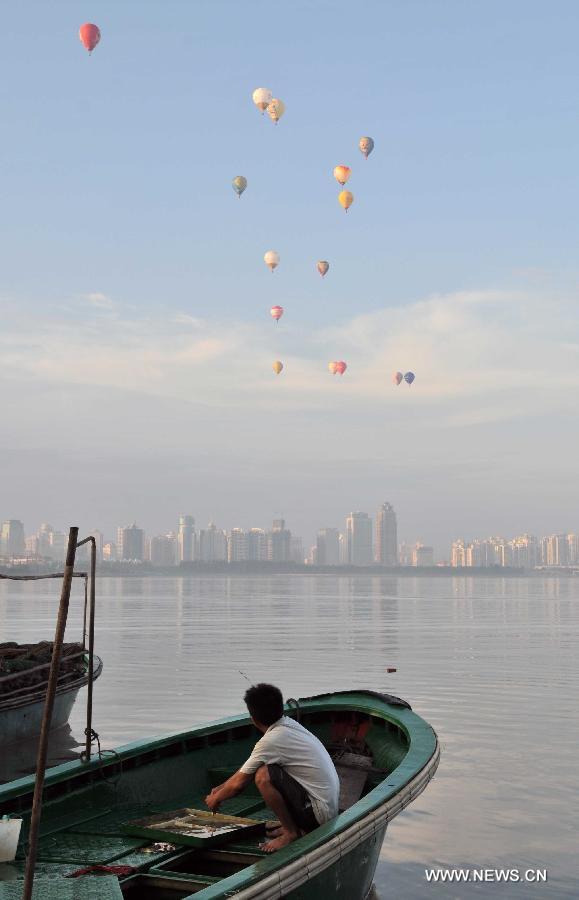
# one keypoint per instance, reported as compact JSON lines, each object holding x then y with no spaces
{"x":237,"y":545}
{"x":186,"y":539}
{"x":279,"y":542}
{"x":359,"y":538}
{"x":12,"y":540}
{"x":256,"y":545}
{"x":386,"y":536}
{"x":131,"y":543}
{"x":328,"y":547}
{"x":212,"y":544}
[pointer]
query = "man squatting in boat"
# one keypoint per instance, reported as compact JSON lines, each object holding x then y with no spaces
{"x":293,"y":771}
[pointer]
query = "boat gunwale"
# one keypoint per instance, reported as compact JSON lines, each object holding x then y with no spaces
{"x":421,"y":756}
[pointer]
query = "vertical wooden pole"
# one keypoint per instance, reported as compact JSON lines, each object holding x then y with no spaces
{"x":47,"y":715}
{"x":91,"y":613}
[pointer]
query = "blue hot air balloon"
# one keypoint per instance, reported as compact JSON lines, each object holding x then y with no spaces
{"x":409,"y":377}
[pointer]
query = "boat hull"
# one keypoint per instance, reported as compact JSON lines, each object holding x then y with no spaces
{"x":20,"y":721}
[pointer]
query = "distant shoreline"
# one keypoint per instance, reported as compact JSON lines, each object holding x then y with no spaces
{"x":198,"y":570}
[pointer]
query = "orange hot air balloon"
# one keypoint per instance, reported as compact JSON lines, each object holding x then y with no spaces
{"x":397,"y":378}
{"x":342,"y":173}
{"x":276,"y":312}
{"x":277,"y":366}
{"x":346,"y":199}
{"x":323,"y":267}
{"x":341,"y":367}
{"x":332,"y":368}
{"x":89,"y":35}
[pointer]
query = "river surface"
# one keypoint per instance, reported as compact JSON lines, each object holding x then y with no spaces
{"x":491,"y":663}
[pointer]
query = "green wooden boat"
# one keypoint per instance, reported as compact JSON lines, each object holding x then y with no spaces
{"x":87,"y":807}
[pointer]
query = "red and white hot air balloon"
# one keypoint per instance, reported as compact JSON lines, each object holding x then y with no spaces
{"x":276,"y":312}
{"x":341,"y":367}
{"x":89,"y":35}
{"x":323,"y":266}
{"x":397,"y":378}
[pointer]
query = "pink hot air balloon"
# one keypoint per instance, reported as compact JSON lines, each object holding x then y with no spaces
{"x":341,"y":367}
{"x":276,"y":312}
{"x":397,"y":378}
{"x":90,"y":35}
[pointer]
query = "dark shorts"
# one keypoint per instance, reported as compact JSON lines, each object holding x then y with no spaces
{"x":296,"y":798}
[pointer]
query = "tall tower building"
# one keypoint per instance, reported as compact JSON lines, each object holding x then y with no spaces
{"x":328,"y":547}
{"x":212,"y":544}
{"x":256,"y":545}
{"x":359,"y":538}
{"x":131,"y":543}
{"x":386,"y":536}
{"x":237,"y":545}
{"x":186,"y":539}
{"x":12,"y":540}
{"x":279,"y":542}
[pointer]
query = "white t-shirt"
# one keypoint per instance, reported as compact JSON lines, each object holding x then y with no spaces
{"x":305,"y":758}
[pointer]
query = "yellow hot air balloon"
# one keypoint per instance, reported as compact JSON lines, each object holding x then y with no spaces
{"x":262,"y":98}
{"x":276,"y":109}
{"x":277,"y":366}
{"x":271,"y":259}
{"x":332,"y":368}
{"x":346,"y":199}
{"x":342,"y":173}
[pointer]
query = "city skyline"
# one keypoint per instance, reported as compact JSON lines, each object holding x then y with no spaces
{"x":361,"y":542}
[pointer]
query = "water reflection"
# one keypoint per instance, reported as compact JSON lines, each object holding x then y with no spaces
{"x":490,"y":662}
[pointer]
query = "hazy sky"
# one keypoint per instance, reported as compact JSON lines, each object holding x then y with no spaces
{"x":135,"y":340}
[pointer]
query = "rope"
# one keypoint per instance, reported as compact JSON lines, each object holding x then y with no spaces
{"x":95,"y":737}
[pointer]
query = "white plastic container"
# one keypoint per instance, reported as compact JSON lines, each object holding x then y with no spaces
{"x":9,"y":834}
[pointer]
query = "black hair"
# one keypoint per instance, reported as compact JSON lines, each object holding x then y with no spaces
{"x":265,"y":703}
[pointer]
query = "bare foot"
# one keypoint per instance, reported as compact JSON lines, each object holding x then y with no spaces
{"x":283,"y":840}
{"x":273,"y":829}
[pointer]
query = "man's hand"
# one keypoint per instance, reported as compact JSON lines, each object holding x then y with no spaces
{"x":213,"y":799}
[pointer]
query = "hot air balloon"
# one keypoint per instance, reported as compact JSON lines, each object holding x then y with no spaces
{"x":366,"y":145}
{"x":332,"y":368}
{"x":323,"y":267}
{"x":262,"y":98}
{"x":90,"y":35}
{"x":341,"y":174}
{"x":276,"y":312}
{"x":346,"y":199}
{"x":277,"y":366}
{"x":239,"y":184}
{"x":271,"y":259}
{"x":409,"y":378}
{"x":276,"y":109}
{"x":341,"y":367}
{"x":397,"y":378}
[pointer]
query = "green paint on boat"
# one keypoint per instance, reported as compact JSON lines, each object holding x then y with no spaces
{"x":88,"y":805}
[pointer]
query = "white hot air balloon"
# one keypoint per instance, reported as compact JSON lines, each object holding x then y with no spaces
{"x":271,"y":259}
{"x":262,"y":97}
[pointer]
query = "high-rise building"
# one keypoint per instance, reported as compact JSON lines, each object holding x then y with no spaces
{"x":556,"y":550}
{"x":237,"y":549}
{"x":458,"y":554}
{"x":573,"y":549}
{"x":359,"y":537}
{"x":131,"y":543}
{"x":58,"y":545}
{"x":297,"y":550}
{"x":256,"y":545}
{"x":186,"y":539}
{"x":422,"y":556}
{"x":279,"y":542}
{"x":328,"y":547}
{"x":109,"y":552}
{"x":386,"y":536}
{"x":162,"y":550}
{"x":212,"y":544}
{"x":12,"y":540}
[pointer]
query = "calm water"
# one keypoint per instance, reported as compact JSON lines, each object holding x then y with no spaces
{"x":492,"y":664}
